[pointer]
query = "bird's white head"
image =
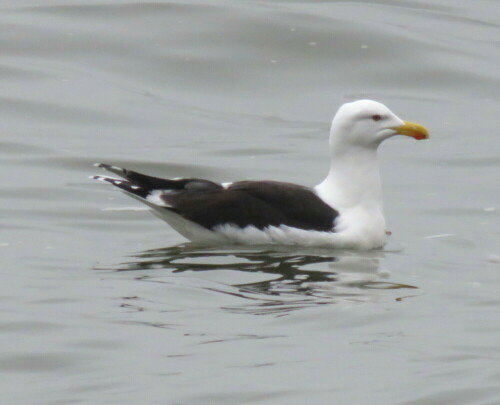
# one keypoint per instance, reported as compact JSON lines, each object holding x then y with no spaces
{"x":366,"y":123}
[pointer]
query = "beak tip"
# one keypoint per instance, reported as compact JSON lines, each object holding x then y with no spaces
{"x":416,"y":131}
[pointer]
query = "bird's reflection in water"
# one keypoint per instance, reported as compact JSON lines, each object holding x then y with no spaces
{"x":292,"y":277}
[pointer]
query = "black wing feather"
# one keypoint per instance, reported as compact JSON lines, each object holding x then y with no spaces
{"x":257,"y":203}
{"x":157,"y":183}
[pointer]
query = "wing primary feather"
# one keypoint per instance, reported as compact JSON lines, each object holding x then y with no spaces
{"x":123,"y":185}
{"x":157,"y":183}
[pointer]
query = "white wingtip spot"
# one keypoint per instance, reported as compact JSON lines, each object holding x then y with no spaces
{"x":155,"y":198}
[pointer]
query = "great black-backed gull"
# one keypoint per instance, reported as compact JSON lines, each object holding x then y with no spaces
{"x":343,"y":211}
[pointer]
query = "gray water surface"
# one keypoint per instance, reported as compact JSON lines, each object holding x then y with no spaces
{"x":105,"y":304}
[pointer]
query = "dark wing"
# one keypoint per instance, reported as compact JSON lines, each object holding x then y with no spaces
{"x":257,"y":203}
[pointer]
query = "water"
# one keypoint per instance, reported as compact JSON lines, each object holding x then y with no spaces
{"x":104,"y":304}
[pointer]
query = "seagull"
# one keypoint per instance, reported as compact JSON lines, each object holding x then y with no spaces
{"x":344,"y":211}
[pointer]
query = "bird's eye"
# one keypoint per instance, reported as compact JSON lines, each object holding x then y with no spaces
{"x":376,"y":117}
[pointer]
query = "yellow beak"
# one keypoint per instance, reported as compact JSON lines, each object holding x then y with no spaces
{"x":416,"y":131}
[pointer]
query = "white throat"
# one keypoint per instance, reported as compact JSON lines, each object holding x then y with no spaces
{"x":353,"y":181}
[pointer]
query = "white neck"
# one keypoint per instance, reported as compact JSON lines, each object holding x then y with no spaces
{"x":353,"y":188}
{"x":353,"y":180}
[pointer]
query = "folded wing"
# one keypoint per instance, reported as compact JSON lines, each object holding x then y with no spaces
{"x":247,"y":203}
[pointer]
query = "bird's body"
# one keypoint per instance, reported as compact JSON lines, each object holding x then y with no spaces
{"x":344,"y":211}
